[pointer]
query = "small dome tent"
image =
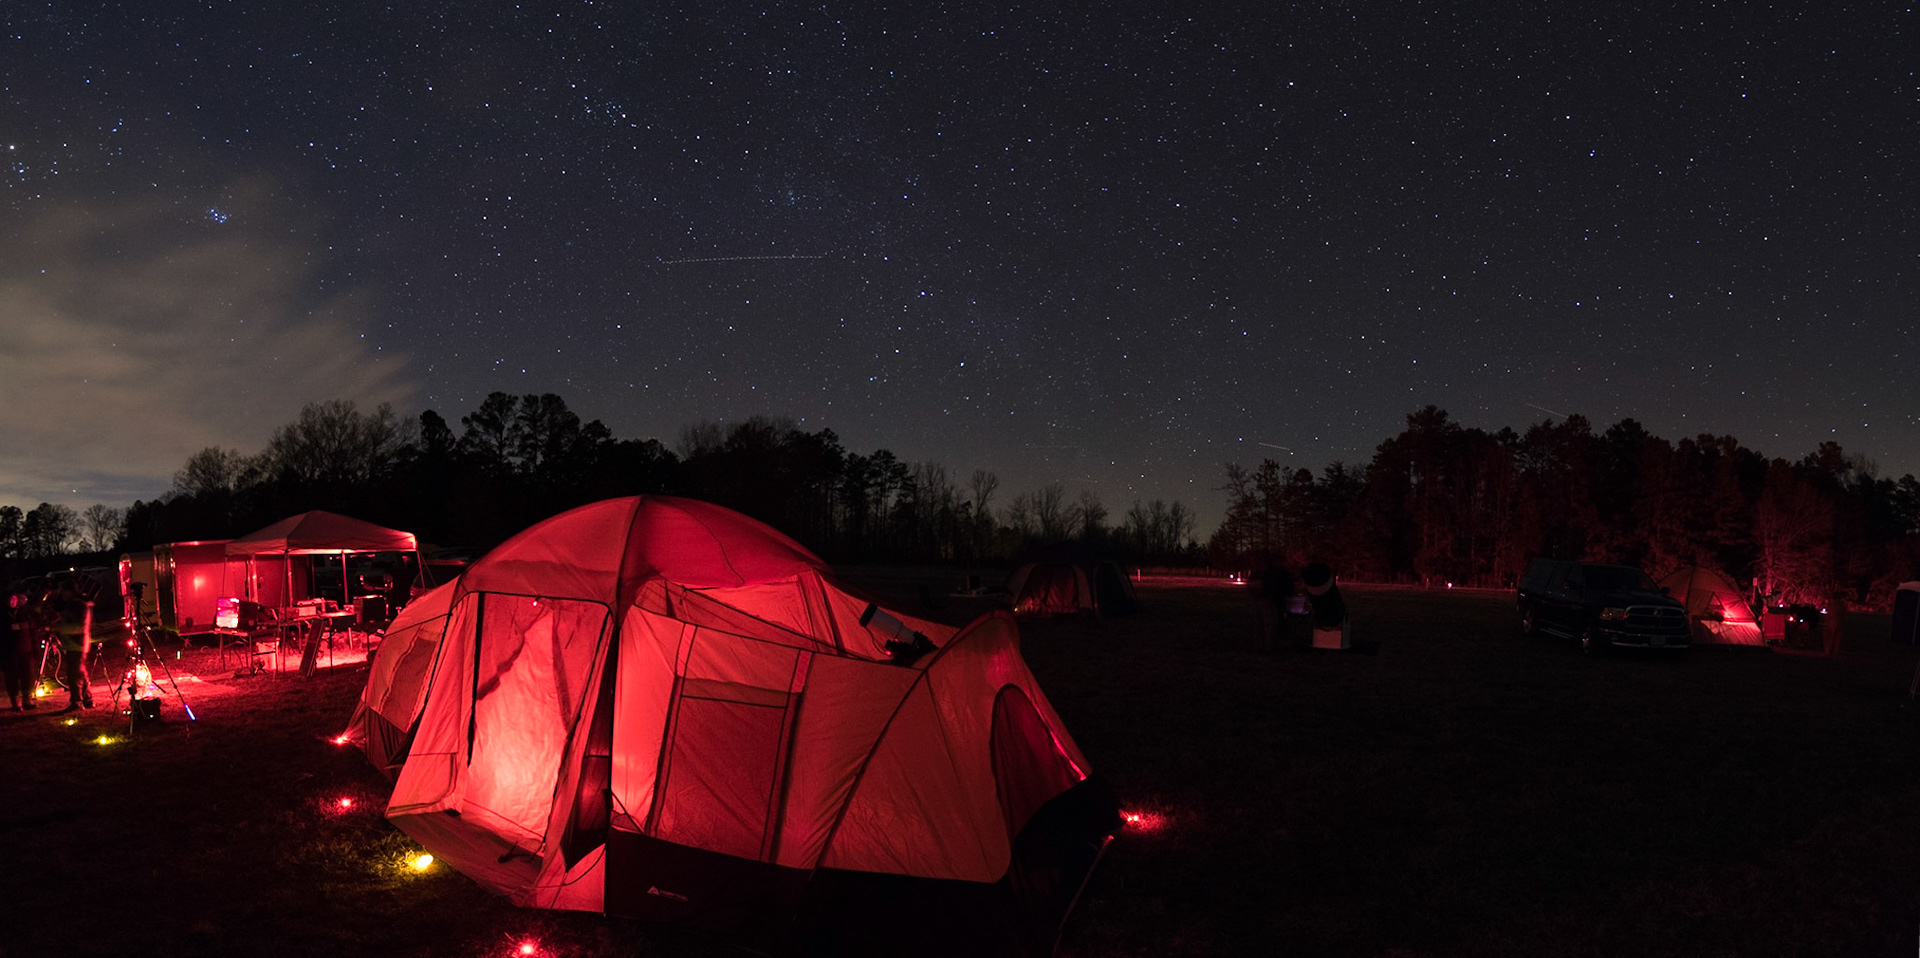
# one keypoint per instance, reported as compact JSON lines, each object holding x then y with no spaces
{"x":1717,"y":612}
{"x":660,"y":709}
{"x":382,"y":724}
{"x":1070,"y":578}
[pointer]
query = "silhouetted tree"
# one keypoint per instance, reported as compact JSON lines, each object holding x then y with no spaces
{"x":1904,"y":507}
{"x":1556,"y":471}
{"x":1019,"y":521}
{"x":11,"y":525}
{"x":211,"y":471}
{"x":1793,"y":536}
{"x":1092,"y":516}
{"x":1156,"y":532}
{"x":100,"y":527}
{"x":1424,"y":497}
{"x":486,"y":440}
{"x":1254,"y":531}
{"x":772,"y":470}
{"x":1440,"y":499}
{"x":332,"y":445}
{"x":980,"y":489}
{"x":1051,"y":515}
{"x":48,"y":530}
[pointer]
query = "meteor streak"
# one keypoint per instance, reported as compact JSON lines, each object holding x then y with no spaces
{"x":729,"y":259}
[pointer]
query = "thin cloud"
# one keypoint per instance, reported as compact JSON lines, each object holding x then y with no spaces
{"x":136,"y":333}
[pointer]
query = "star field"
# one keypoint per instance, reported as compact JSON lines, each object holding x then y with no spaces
{"x":1116,"y":247}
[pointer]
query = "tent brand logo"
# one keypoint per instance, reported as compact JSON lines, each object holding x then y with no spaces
{"x":656,"y":890}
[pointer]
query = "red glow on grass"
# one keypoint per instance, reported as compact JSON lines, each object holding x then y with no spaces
{"x":1142,"y":821}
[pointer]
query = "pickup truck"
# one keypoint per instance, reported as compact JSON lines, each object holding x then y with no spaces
{"x":1603,"y":607}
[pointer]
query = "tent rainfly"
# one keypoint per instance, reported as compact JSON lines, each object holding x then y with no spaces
{"x":1716,"y":610}
{"x":660,"y":709}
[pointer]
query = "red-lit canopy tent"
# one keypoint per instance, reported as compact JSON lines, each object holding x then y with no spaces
{"x":322,"y":533}
{"x":317,"y":533}
{"x":657,"y":708}
{"x":1717,"y":611}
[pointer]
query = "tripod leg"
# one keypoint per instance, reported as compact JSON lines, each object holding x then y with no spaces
{"x":146,"y":641}
{"x":52,"y":665}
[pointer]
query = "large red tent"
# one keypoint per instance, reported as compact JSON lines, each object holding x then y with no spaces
{"x":658,"y":708}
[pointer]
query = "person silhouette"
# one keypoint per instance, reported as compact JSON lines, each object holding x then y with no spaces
{"x":74,"y":628}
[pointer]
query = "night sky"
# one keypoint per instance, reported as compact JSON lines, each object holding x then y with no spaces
{"x":1112,"y":245}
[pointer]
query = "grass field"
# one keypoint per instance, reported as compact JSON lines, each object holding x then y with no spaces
{"x":1463,"y":792}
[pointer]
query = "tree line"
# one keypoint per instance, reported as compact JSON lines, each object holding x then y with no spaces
{"x":1438,"y":503}
{"x":52,"y":529}
{"x":1441,"y":503}
{"x":516,"y":460}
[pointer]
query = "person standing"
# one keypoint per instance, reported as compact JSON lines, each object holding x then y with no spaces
{"x":75,"y":630}
{"x":16,"y":655}
{"x":400,"y":586}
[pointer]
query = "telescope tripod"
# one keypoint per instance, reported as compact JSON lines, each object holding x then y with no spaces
{"x":139,"y":677}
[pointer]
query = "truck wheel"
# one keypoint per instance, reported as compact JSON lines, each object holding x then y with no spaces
{"x":1529,"y":626}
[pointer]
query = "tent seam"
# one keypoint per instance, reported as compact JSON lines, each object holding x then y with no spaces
{"x":861,"y":775}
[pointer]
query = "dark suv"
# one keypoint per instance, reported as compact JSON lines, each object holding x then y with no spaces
{"x":1603,"y":606}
